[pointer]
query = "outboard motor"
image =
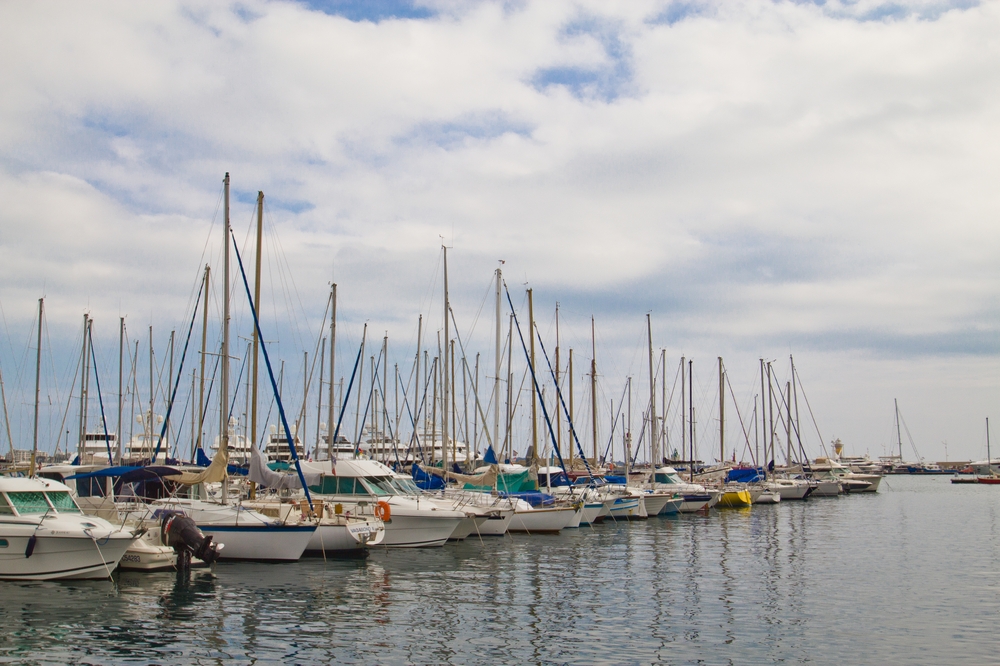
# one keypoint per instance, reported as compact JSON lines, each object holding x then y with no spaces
{"x":182,"y":534}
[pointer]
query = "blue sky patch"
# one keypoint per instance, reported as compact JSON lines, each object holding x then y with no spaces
{"x":454,"y":133}
{"x":606,"y":81}
{"x":360,"y":10}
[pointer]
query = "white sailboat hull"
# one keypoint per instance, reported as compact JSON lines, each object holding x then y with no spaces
{"x":655,"y":503}
{"x":548,"y":520}
{"x":591,"y":512}
{"x":262,"y":543}
{"x":496,"y":524}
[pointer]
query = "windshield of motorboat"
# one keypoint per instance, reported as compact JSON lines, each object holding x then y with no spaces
{"x":660,"y":477}
{"x":405,"y":485}
{"x":378,"y":485}
{"x":28,"y":502}
{"x":62,"y":501}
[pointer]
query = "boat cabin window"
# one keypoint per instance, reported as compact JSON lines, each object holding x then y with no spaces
{"x":379,"y":485}
{"x":29,"y":502}
{"x":339,"y":485}
{"x":406,"y":486}
{"x":62,"y":502}
{"x":5,"y":509}
{"x":666,"y":478}
{"x":3,"y":543}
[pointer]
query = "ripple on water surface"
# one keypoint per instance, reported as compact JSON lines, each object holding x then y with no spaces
{"x":909,"y":574}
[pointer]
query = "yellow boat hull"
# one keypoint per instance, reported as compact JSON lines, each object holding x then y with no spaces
{"x":735,"y":499}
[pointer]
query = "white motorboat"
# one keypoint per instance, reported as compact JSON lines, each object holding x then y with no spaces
{"x":360,"y":486}
{"x":789,"y":489}
{"x":695,"y":496}
{"x":831,"y":470}
{"x":45,"y":536}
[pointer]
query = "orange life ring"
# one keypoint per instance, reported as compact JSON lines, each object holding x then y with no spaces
{"x":382,"y":511}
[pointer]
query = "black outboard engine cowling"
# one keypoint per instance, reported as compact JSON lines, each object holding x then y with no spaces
{"x":182,"y":534}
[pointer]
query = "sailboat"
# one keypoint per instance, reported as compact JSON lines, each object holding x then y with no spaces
{"x":992,"y":478}
{"x":43,"y":533}
{"x":247,"y":534}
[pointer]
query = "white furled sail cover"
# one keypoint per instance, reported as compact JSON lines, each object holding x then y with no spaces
{"x":261,"y":475}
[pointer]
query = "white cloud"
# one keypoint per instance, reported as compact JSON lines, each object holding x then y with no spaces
{"x":750,"y":172}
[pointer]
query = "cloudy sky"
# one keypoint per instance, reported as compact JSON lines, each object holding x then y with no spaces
{"x":762,"y":178}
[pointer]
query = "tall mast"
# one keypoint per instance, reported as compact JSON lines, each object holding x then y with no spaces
{"x":654,"y":442}
{"x":38,"y":381}
{"x":300,"y":433}
{"x":454,"y":409}
{"x":385,"y":391}
{"x":475,"y":413}
{"x":149,"y":432}
{"x":361,"y":382}
{"x":496,"y":369}
{"x":558,"y":418}
{"x":788,"y":422}
{"x":534,"y":396}
{"x":722,"y":414}
{"x":254,"y":341}
{"x":795,"y":395}
{"x":663,"y":402}
{"x":204,"y":350}
{"x":770,"y":414}
{"x":762,"y":414}
{"x":989,"y":459}
{"x":691,"y":407}
{"x":224,"y":384}
{"x":170,"y":386}
{"x":319,"y":398}
{"x":899,"y":436}
{"x":121,"y":360}
{"x":684,"y":437}
{"x":6,"y":416}
{"x":444,"y":369}
{"x":569,"y":369}
{"x":593,"y":384}
{"x":508,"y":444}
{"x":420,"y":397}
{"x":331,"y":416}
{"x":85,"y":367}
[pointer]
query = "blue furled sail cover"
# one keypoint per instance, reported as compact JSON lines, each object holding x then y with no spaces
{"x":426,"y":481}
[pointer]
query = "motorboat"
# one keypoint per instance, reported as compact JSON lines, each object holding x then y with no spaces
{"x":336,"y":533}
{"x":789,"y":489}
{"x":696,"y":497}
{"x":827,"y":469}
{"x":45,"y":536}
{"x":360,"y":486}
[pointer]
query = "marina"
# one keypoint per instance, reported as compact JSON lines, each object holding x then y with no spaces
{"x":479,"y":332}
{"x":826,"y":580}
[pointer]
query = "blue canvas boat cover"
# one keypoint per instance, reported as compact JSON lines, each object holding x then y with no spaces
{"x":745,"y":475}
{"x":535,"y":499}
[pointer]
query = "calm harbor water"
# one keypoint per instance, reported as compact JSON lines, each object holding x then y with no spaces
{"x":909,"y":574}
